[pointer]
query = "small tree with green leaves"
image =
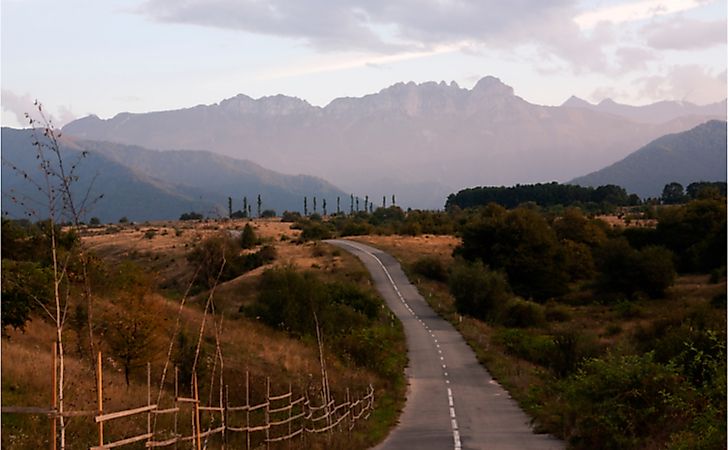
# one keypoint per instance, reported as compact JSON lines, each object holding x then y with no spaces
{"x":131,"y":334}
{"x":248,"y":239}
{"x":305,"y":206}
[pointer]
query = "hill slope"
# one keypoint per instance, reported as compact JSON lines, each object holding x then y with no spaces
{"x":419,"y":141}
{"x":143,"y":184}
{"x":698,"y":154}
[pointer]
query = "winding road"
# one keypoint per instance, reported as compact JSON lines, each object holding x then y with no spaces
{"x":452,"y":401}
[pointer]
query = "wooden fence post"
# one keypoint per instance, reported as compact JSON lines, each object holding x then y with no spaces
{"x":267,"y":413}
{"x":247,"y":409}
{"x":198,"y":431}
{"x":225,"y":416}
{"x":100,"y":395}
{"x":54,"y":396}
{"x":290,"y":411}
{"x":351,"y":414}
{"x":176,"y":404}
{"x":149,"y":399}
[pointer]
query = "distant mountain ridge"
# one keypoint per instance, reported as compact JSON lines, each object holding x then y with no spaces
{"x":418,"y":141}
{"x":144,"y":184}
{"x":695,"y":155}
{"x":659,"y":112}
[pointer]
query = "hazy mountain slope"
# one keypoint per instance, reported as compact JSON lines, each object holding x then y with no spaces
{"x":125,"y":192}
{"x":144,"y":184}
{"x":219,"y":176}
{"x":698,"y":154}
{"x":659,"y":112}
{"x":420,"y":141}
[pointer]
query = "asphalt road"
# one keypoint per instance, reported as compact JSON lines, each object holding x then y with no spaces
{"x":452,"y":401}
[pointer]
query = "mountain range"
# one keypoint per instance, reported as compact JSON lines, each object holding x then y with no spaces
{"x":418,"y":141}
{"x":698,"y":154}
{"x":144,"y":184}
{"x":654,"y":113}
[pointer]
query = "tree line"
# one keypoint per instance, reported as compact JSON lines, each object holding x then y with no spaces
{"x":543,"y":194}
{"x":600,"y":199}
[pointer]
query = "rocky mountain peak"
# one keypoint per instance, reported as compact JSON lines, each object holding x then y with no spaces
{"x":492,"y":86}
{"x":576,"y":102}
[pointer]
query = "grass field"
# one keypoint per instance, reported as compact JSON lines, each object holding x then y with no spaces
{"x":247,"y":345}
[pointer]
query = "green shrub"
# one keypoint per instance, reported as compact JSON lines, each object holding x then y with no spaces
{"x":349,"y":318}
{"x":248,"y":239}
{"x":621,"y":402}
{"x":556,"y":313}
{"x":719,"y":300}
{"x":191,"y":216}
{"x":570,"y":348}
{"x":628,"y":271}
{"x":209,"y":255}
{"x":519,"y":313}
{"x":524,"y":344}
{"x":353,"y":227}
{"x":26,"y":287}
{"x":430,"y":267}
{"x":289,"y":216}
{"x":478,"y":291}
{"x":315,"y":231}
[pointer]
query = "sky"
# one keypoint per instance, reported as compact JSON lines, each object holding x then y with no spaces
{"x":80,"y":57}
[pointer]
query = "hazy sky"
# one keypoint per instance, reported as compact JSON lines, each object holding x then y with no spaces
{"x":104,"y":57}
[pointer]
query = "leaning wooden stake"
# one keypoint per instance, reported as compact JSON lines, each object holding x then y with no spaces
{"x":100,"y":396}
{"x":54,"y":396}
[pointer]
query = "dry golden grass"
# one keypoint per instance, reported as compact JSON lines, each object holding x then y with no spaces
{"x":408,"y":249}
{"x":247,"y":346}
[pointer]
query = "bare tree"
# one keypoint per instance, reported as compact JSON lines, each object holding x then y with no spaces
{"x":58,"y":174}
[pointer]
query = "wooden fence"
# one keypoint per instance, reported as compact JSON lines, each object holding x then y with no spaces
{"x":280,"y":417}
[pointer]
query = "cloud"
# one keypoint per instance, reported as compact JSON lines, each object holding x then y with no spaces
{"x":403,"y":27}
{"x":633,"y":58}
{"x":322,"y":24}
{"x":20,"y":105}
{"x":633,"y":11}
{"x":377,"y":61}
{"x":558,"y":33}
{"x":690,"y":83}
{"x":684,"y":34}
{"x":374,"y":25}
